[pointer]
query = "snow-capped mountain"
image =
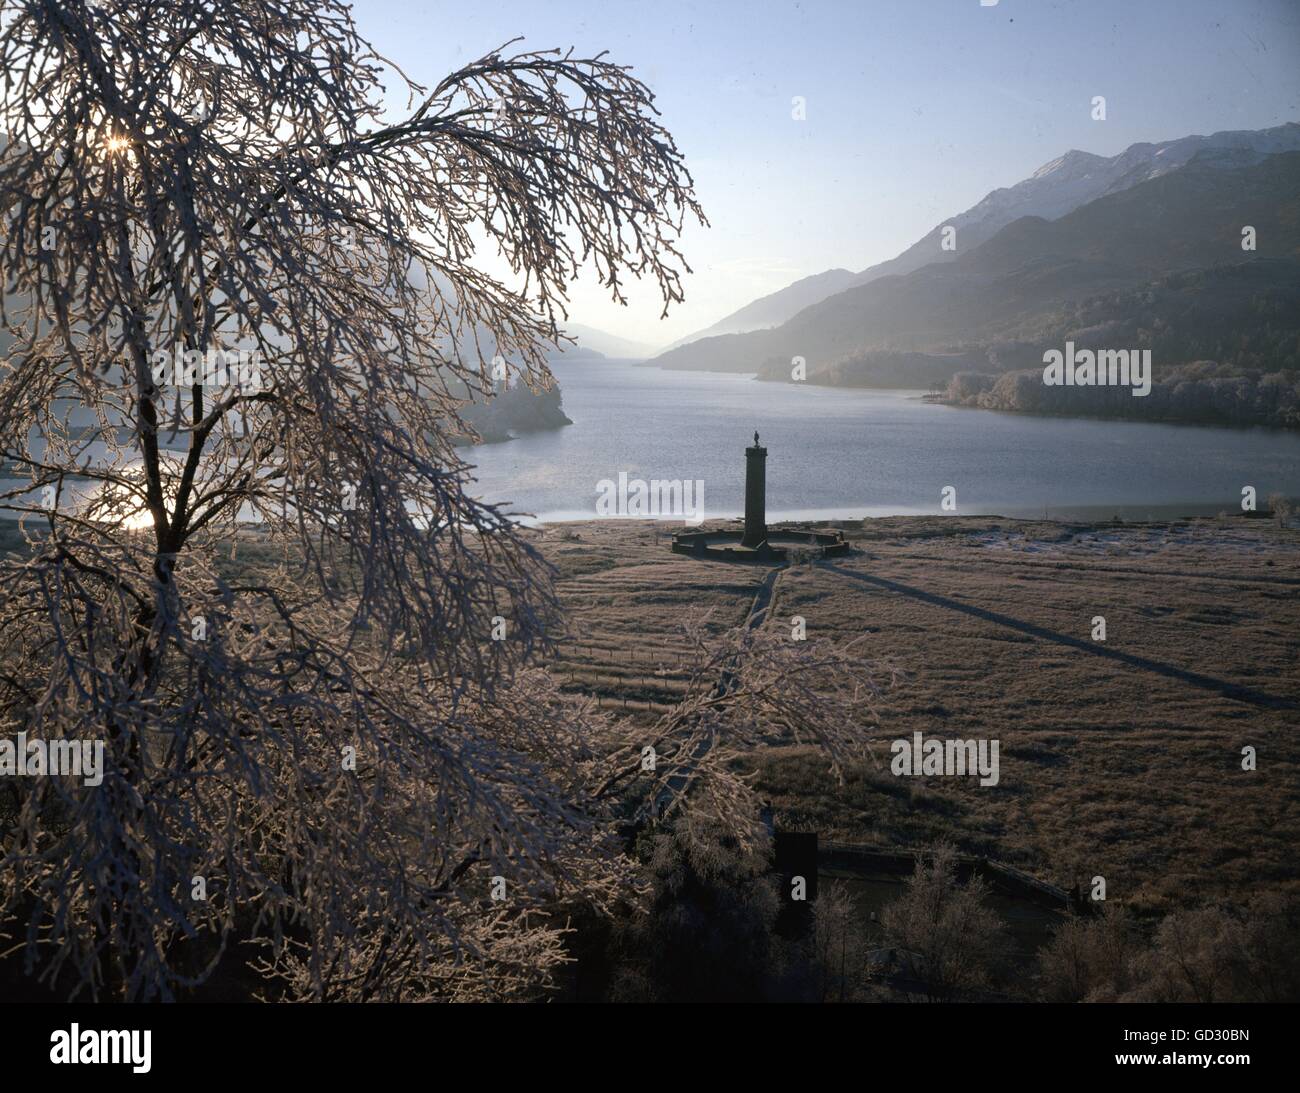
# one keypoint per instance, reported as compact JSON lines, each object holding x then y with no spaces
{"x":1076,"y":178}
{"x":1055,"y":189}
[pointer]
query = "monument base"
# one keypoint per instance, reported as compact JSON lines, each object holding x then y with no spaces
{"x":779,"y":546}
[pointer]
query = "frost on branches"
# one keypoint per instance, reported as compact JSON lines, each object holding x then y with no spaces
{"x":272,"y":600}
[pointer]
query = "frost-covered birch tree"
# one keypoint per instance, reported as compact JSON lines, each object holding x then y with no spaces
{"x":241,"y":309}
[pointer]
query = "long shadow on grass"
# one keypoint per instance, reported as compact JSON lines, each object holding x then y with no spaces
{"x":1225,"y":688}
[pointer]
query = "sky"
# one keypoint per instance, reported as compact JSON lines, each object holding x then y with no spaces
{"x":915,"y":109}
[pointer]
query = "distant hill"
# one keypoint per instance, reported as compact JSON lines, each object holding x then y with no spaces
{"x":774,"y":309}
{"x":597,"y":343}
{"x":1009,"y":288}
{"x":1055,"y":189}
{"x":1225,"y":349}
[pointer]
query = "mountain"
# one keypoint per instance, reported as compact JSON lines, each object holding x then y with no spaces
{"x":1055,"y":189}
{"x":776,"y":308}
{"x":1224,"y":342}
{"x":1006,"y":289}
{"x":597,"y":343}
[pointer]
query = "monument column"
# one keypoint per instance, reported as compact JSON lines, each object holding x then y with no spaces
{"x":755,"y":496}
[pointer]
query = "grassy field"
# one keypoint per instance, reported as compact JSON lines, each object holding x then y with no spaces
{"x":1119,"y":758}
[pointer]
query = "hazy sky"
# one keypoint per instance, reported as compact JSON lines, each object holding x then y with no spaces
{"x":915,"y":108}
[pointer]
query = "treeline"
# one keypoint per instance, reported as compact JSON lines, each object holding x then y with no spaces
{"x":1245,"y":315}
{"x":1204,"y":392}
{"x":1216,"y":953}
{"x":1224,"y":342}
{"x":514,"y":408}
{"x":880,"y":368}
{"x":713,"y":930}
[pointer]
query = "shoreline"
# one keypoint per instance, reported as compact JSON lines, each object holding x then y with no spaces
{"x":921,"y":395}
{"x":1127,"y":515}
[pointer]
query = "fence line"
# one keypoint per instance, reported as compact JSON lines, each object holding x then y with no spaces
{"x":897,"y":856}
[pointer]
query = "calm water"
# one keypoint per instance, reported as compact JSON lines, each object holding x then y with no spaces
{"x":851,"y":453}
{"x":845,"y":454}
